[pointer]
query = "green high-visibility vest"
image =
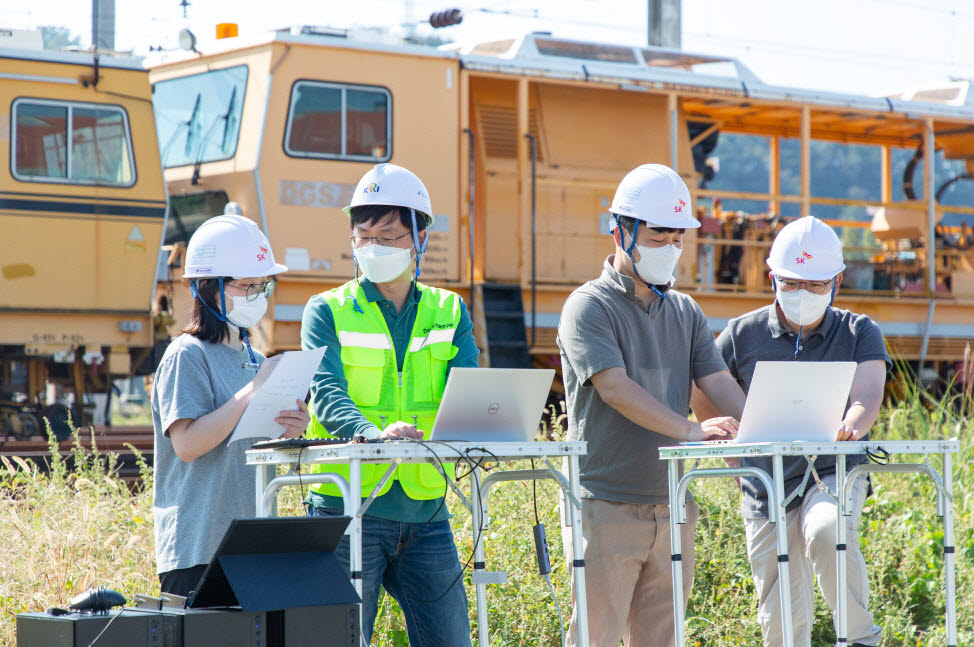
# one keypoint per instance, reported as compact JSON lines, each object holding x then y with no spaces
{"x":382,"y":393}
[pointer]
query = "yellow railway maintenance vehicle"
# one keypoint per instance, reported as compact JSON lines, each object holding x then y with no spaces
{"x":82,"y":211}
{"x":522,"y":142}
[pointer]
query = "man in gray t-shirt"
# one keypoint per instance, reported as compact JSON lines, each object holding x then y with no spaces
{"x":806,"y":265}
{"x":631,"y":347}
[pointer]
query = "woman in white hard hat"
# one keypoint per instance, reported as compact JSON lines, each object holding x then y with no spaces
{"x":205,"y":380}
{"x":641,"y":344}
{"x":802,"y":325}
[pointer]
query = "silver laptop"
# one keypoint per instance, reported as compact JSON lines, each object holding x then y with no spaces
{"x":492,"y":404}
{"x":796,"y":401}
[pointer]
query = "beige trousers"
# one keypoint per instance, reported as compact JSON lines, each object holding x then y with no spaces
{"x":628,"y":576}
{"x":811,"y":553}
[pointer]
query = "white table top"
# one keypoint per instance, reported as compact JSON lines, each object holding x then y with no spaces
{"x":725,"y":449}
{"x":415,"y":452}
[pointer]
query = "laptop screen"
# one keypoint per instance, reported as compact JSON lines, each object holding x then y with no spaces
{"x":492,"y":404}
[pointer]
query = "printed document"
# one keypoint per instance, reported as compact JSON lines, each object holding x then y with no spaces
{"x":289,"y":381}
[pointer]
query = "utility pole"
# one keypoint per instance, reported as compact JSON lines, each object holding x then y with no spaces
{"x":666,"y":23}
{"x":103,"y":25}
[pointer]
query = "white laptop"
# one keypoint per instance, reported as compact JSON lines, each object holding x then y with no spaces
{"x":796,"y":401}
{"x":492,"y":404}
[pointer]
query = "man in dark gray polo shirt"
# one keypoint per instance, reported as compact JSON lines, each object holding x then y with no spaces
{"x":630,"y":348}
{"x":806,"y":265}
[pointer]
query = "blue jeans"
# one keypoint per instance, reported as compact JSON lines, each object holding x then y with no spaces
{"x":418,"y":566}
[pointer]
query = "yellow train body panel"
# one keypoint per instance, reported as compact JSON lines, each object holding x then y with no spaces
{"x":82,"y":212}
{"x":521,"y":144}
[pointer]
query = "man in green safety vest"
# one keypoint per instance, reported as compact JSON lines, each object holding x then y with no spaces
{"x":391,"y":342}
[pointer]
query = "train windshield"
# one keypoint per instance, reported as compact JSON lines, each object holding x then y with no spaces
{"x":198,"y":116}
{"x":187,"y":212}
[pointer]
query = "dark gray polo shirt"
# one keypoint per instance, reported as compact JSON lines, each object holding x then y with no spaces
{"x":605,"y":325}
{"x":757,"y":336}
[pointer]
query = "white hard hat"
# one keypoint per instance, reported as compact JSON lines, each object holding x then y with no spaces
{"x":657,"y":195}
{"x":392,"y":186}
{"x":229,"y":246}
{"x":806,"y":249}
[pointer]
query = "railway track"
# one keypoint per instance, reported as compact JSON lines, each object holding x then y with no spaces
{"x":118,"y":440}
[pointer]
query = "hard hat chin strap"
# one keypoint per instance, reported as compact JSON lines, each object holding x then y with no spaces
{"x":628,"y":250}
{"x":355,"y":304}
{"x":194,"y":289}
{"x":420,"y":249}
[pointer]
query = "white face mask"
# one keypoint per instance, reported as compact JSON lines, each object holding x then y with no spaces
{"x":246,"y":314}
{"x":803,"y":307}
{"x":381,"y":264}
{"x":656,"y":264}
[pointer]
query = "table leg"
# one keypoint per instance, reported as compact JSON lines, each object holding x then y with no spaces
{"x":578,"y":551}
{"x":676,"y":521}
{"x":842,"y":563}
{"x":781,"y":532}
{"x":950,"y":590}
{"x":265,"y":473}
{"x":354,"y":530}
{"x":479,"y":559}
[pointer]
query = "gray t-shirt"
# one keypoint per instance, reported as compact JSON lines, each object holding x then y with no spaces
{"x":757,"y":336}
{"x":194,"y":502}
{"x":663,"y":349}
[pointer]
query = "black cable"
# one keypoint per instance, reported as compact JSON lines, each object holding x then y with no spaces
{"x":473,"y":464}
{"x":446,"y":488}
{"x":880,"y":456}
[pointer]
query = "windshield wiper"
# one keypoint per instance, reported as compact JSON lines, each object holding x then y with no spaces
{"x":192,"y":125}
{"x":225,"y":117}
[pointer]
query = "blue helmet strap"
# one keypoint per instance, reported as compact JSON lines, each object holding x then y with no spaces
{"x":356,"y":307}
{"x":223,"y":300}
{"x":420,"y":249}
{"x":223,"y":306}
{"x":635,"y":232}
{"x":196,"y":295}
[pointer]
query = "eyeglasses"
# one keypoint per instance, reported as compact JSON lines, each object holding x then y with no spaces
{"x":381,"y":240}
{"x":254,"y":289}
{"x":815,"y":287}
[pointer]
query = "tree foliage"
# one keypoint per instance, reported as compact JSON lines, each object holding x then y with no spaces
{"x":56,"y":37}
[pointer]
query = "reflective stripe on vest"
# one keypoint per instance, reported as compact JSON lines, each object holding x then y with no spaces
{"x":364,"y":340}
{"x":381,"y":392}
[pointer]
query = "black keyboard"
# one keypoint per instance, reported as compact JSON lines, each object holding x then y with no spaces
{"x":299,"y":443}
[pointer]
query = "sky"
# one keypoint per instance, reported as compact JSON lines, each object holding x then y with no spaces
{"x":855,"y":46}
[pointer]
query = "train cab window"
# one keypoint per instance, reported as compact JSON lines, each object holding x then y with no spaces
{"x":72,"y":142}
{"x":188,"y":211}
{"x":198,"y":116}
{"x":337,"y":121}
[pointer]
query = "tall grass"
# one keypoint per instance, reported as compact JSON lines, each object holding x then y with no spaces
{"x":66,"y":529}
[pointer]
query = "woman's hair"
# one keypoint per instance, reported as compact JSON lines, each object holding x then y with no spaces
{"x":203,"y":324}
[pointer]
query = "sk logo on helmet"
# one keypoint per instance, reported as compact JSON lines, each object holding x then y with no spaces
{"x":679,"y":208}
{"x":371,"y":188}
{"x":801,"y":259}
{"x":262,"y":254}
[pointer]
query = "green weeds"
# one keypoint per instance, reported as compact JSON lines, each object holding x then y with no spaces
{"x":76,"y":525}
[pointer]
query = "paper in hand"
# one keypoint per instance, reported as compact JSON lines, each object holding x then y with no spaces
{"x":288,"y":382}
